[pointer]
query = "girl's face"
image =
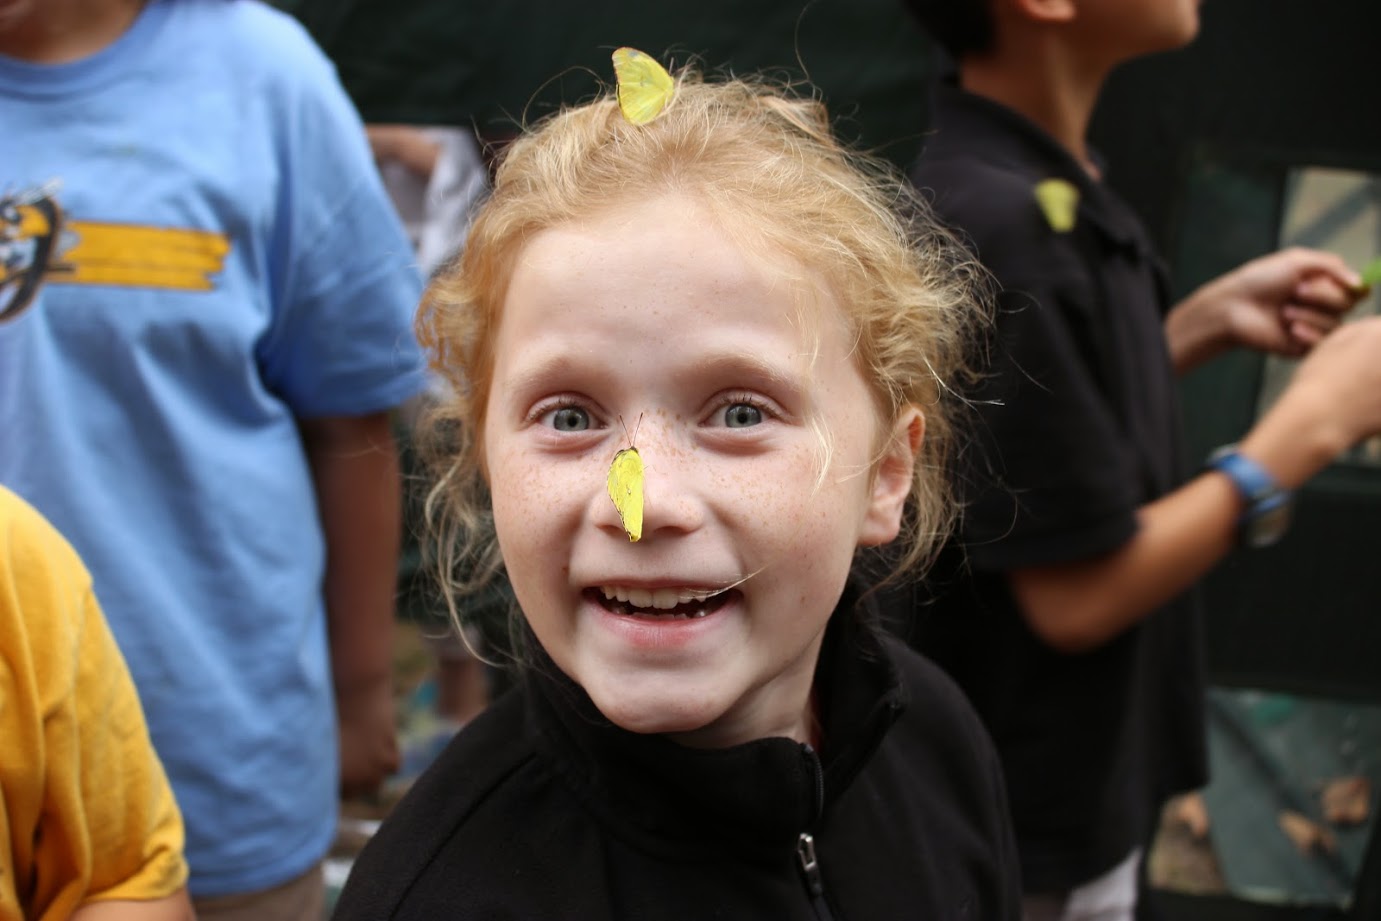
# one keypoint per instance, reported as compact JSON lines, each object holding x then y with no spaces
{"x":650,"y":314}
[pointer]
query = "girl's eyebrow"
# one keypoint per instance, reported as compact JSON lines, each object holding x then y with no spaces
{"x":564,"y":363}
{"x":554,"y":365}
{"x":786,"y":383}
{"x":750,"y":365}
{"x":738,"y":367}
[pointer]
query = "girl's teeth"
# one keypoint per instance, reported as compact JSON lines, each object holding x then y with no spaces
{"x":662,"y":599}
{"x":677,"y":604}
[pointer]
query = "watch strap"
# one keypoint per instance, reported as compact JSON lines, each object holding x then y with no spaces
{"x":1260,"y":491}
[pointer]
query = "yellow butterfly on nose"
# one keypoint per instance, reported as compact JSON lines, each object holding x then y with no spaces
{"x":626,"y":485}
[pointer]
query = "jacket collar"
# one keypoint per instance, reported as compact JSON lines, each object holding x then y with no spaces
{"x":755,"y":798}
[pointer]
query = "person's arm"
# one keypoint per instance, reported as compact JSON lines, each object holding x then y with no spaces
{"x":404,"y":144}
{"x":1333,"y":402}
{"x":355,"y":467}
{"x":175,"y":907}
{"x":1284,"y":303}
{"x":89,"y":803}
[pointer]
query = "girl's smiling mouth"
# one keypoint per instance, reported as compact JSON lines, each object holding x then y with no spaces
{"x":659,"y":603}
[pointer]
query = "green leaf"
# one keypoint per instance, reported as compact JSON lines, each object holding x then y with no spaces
{"x":1371,"y":273}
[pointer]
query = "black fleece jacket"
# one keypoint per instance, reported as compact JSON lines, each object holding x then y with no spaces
{"x":541,"y":809}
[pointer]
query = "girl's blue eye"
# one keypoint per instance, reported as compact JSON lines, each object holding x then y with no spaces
{"x":741,"y":415}
{"x":570,"y":419}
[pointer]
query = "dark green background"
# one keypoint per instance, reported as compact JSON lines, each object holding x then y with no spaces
{"x":498,"y":65}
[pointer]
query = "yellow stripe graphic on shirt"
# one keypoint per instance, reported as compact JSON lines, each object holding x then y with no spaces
{"x":32,"y":223}
{"x":144,"y":257}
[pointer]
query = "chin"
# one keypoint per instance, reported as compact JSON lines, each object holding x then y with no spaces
{"x":651,"y":716}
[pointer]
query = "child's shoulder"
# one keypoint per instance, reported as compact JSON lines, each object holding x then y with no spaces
{"x":24,"y":531}
{"x":935,"y":707}
{"x":997,"y":211}
{"x":997,"y":185}
{"x":37,"y":564}
{"x":989,"y":199}
{"x":453,"y":834}
{"x":920,"y":675}
{"x":256,"y":38}
{"x":466,"y":777}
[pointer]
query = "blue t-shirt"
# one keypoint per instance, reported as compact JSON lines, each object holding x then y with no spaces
{"x":195,"y":252}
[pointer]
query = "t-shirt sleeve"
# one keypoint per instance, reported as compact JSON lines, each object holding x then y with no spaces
{"x":92,"y":812}
{"x":346,"y":282}
{"x":1047,"y":473}
{"x":135,"y":828}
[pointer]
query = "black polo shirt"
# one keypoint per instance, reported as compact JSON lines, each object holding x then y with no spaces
{"x":1073,"y":430}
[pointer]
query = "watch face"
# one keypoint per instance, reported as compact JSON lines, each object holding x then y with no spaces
{"x":1268,"y":522}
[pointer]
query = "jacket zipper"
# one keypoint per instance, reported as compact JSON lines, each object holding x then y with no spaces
{"x":810,"y":870}
{"x":805,"y":844}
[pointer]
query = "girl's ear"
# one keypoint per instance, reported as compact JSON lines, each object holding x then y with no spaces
{"x":892,"y":481}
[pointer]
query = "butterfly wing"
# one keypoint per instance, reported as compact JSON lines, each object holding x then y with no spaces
{"x":626,"y":489}
{"x":1059,"y":201}
{"x":645,"y":87}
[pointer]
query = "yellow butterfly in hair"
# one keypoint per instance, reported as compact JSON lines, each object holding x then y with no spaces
{"x":645,"y":87}
{"x":626,"y":484}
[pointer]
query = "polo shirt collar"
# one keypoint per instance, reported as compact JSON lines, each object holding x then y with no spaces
{"x":969,"y":125}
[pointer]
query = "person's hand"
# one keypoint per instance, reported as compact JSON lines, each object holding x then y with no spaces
{"x":368,"y":737}
{"x":1284,"y":303}
{"x":1344,"y":375}
{"x":1332,"y":402}
{"x":1287,"y":302}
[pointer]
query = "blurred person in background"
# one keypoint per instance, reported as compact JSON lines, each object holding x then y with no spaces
{"x":1063,"y":607}
{"x":205,"y":320}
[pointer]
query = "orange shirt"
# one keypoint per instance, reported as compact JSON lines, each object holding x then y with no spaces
{"x":86,"y":812}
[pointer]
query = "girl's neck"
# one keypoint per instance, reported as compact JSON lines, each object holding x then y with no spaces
{"x":1056,"y":91}
{"x":62,"y":31}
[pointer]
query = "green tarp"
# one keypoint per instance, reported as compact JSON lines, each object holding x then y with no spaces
{"x":498,"y":65}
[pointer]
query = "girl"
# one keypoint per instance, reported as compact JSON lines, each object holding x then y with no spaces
{"x":721,"y":304}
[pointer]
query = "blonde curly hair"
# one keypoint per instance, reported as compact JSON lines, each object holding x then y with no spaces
{"x":766,"y":162}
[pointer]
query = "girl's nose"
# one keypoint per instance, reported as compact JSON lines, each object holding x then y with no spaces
{"x":671,"y":500}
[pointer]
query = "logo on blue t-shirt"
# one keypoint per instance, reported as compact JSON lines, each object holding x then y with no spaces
{"x":39,"y":245}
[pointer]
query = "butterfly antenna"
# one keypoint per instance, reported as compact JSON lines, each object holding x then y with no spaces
{"x":632,"y":439}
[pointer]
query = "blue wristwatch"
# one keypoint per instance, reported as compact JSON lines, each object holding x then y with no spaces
{"x":1267,"y":515}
